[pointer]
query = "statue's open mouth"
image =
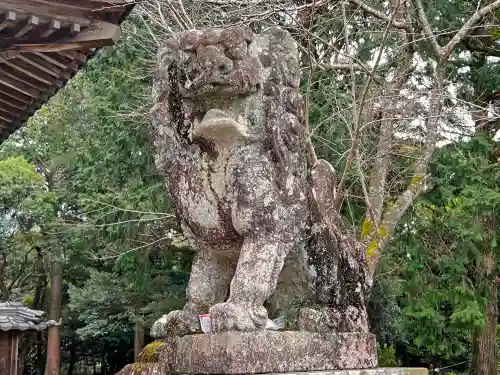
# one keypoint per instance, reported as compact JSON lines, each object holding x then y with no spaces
{"x":219,"y":127}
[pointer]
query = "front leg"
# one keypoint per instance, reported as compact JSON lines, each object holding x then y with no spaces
{"x":208,"y":284}
{"x":270,"y":227}
{"x":260,"y":263}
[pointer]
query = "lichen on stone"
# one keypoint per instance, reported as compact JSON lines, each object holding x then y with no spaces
{"x":150,"y":353}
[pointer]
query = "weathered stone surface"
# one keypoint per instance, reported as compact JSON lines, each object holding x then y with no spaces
{"x":230,"y":141}
{"x":377,"y":371}
{"x":339,"y":278}
{"x":268,"y":352}
{"x":143,"y":369}
{"x":151,"y":352}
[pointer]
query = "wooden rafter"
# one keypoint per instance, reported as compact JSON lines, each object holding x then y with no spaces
{"x":49,"y":10}
{"x":15,"y":94}
{"x":29,"y":70}
{"x":52,"y":27}
{"x":54,"y":58}
{"x":43,"y":44}
{"x":31,"y":23}
{"x":8,"y":19}
{"x":101,"y":34}
{"x":5,"y":99}
{"x":23,"y":79}
{"x":4,"y":115}
{"x":7,"y":107}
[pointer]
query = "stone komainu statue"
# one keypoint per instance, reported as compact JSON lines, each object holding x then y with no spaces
{"x":230,"y":142}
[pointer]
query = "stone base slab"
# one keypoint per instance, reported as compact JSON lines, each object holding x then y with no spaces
{"x":266,"y":352}
{"x":375,"y":371}
{"x":143,"y":369}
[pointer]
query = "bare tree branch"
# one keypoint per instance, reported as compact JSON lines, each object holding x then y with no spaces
{"x":418,"y":181}
{"x":359,"y":112}
{"x":467,"y":26}
{"x":374,"y":12}
{"x":310,"y":146}
{"x":3,"y":270}
{"x":426,"y":26}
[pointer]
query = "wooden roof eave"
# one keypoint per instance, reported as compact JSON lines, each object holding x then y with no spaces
{"x":36,"y":61}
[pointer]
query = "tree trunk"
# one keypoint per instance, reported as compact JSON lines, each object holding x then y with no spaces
{"x":40,"y":354}
{"x":24,"y":348}
{"x":484,"y":355}
{"x":54,"y":340}
{"x":72,"y":354}
{"x":138,"y":339}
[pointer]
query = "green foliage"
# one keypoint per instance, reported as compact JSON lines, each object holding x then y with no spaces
{"x":387,"y":356}
{"x":18,"y":181}
{"x":80,"y":182}
{"x":447,"y":234}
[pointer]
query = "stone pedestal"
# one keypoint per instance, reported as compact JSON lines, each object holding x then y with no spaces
{"x":148,"y":362}
{"x":273,"y":352}
{"x":264,"y":352}
{"x":377,"y":371}
{"x":143,"y":369}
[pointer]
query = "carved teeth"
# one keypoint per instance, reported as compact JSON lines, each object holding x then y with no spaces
{"x":219,"y":127}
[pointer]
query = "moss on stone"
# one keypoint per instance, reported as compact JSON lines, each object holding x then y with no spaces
{"x":416,"y":180}
{"x":366,"y":228}
{"x":371,"y":249}
{"x":150,"y":353}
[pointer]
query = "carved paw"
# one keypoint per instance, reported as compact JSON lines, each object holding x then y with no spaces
{"x":230,"y":316}
{"x":175,"y":323}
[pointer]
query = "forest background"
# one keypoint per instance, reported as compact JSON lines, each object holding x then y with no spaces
{"x":402,"y":99}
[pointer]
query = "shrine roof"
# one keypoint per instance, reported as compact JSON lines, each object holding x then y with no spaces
{"x":43,"y":44}
{"x":15,"y":316}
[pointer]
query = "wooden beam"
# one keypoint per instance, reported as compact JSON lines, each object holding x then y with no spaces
{"x":107,"y":3}
{"x":31,"y":71}
{"x":49,"y":10}
{"x":6,"y":116}
{"x":10,"y":109}
{"x":9,"y":19}
{"x":8,"y":54}
{"x":74,"y":55}
{"x":73,"y":68}
{"x":19,"y":86}
{"x":88,"y":5}
{"x":5,"y":99}
{"x":54,"y":58}
{"x":21,"y":77}
{"x":74,"y":29}
{"x":42,"y":65}
{"x":30,"y":112}
{"x":31,"y":23}
{"x":52,"y":27}
{"x":15,"y":94}
{"x":65,"y":71}
{"x":101,"y":34}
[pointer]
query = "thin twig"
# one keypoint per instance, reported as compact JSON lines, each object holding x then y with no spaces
{"x":374,"y":12}
{"x":357,"y":119}
{"x":427,"y":28}
{"x":460,"y":35}
{"x":310,"y":146}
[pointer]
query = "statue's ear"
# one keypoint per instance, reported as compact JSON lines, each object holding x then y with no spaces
{"x":168,"y":53}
